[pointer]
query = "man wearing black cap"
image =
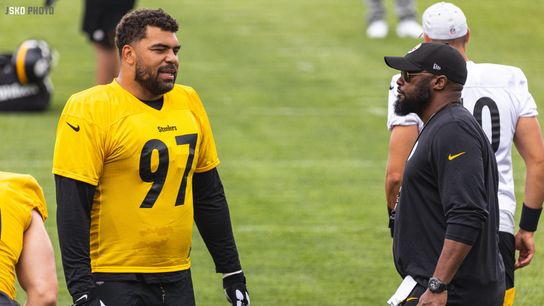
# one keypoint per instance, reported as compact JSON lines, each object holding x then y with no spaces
{"x":446,"y":229}
{"x":499,"y":98}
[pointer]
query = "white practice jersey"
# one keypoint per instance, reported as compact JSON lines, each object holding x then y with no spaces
{"x":497,"y":96}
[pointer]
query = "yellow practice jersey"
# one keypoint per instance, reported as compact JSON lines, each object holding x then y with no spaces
{"x":19,"y":195}
{"x":142,"y":162}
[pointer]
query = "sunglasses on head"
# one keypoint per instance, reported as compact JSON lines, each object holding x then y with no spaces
{"x":407,"y":76}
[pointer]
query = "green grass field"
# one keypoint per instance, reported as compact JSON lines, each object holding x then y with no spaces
{"x":297,"y":98}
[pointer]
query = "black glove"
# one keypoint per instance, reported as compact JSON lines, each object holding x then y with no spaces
{"x":235,"y":289}
{"x":86,"y":299}
{"x":391,"y":220}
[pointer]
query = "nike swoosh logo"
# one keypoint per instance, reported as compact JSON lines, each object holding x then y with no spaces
{"x":75,"y":128}
{"x":83,"y":296}
{"x":452,"y":157}
{"x":411,"y":299}
{"x":391,"y":87}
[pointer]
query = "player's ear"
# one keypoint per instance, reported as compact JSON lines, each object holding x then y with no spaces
{"x":128,"y":55}
{"x":426,"y":38}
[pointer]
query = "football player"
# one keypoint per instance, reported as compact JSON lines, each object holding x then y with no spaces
{"x":134,"y":163}
{"x":99,"y":20}
{"x":498,"y":96}
{"x":24,"y":244}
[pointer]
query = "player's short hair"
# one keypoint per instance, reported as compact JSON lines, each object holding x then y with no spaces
{"x":460,"y":41}
{"x":133,"y":25}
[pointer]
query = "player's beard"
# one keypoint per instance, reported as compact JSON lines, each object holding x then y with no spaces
{"x":415,"y":103}
{"x":151,"y":81}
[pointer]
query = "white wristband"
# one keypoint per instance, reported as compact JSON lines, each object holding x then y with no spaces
{"x":231,"y":273}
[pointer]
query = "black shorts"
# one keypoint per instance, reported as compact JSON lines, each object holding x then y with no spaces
{"x":507,"y":247}
{"x":101,"y":17}
{"x":145,"y":292}
{"x":5,"y":300}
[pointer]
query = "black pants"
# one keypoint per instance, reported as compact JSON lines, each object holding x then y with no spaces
{"x":6,"y":300}
{"x":142,"y":293}
{"x":482,"y":299}
{"x":413,"y":297}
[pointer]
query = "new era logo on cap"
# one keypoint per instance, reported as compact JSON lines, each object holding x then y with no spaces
{"x":436,"y":58}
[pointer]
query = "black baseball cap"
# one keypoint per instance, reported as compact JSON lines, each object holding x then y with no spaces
{"x":436,"y":58}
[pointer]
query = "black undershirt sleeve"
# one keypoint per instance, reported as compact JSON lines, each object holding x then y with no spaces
{"x":211,"y":213}
{"x":74,"y":201}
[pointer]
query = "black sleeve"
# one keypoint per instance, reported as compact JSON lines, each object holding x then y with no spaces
{"x":74,"y":201}
{"x":461,"y":182}
{"x":213,"y":220}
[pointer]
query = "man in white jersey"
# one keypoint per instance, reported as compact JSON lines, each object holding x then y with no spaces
{"x":498,"y":96}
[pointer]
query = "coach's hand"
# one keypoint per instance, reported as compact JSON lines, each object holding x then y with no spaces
{"x":433,"y":299}
{"x":86,"y":299}
{"x":235,"y":289}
